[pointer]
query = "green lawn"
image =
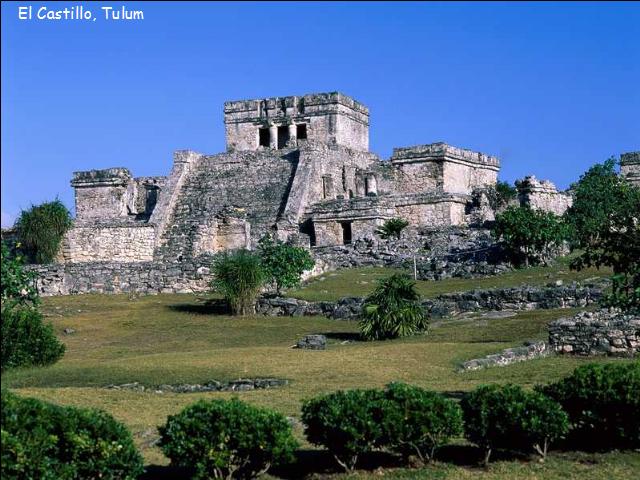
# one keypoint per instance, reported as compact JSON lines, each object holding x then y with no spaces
{"x":176,"y":339}
{"x":360,"y":281}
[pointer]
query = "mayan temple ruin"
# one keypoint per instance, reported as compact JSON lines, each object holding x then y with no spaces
{"x":297,"y":167}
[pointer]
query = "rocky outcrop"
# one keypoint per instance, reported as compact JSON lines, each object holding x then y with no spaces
{"x":596,"y":333}
{"x":528,"y":351}
{"x":312,"y":342}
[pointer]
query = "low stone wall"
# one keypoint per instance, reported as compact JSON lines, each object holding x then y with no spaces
{"x":525,"y":297}
{"x":529,"y":351}
{"x":596,"y":333}
{"x":114,"y":277}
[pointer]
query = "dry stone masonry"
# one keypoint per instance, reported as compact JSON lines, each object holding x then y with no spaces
{"x":596,"y":333}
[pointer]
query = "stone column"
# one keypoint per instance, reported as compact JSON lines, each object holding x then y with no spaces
{"x":273,"y":137}
{"x":292,"y":135}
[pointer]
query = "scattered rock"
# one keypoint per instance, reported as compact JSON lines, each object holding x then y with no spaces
{"x":240,"y":385}
{"x":68,"y":331}
{"x":312,"y":342}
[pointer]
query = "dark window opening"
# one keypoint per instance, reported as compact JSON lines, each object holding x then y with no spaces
{"x":264,"y":137}
{"x":350,"y":193}
{"x":346,"y":233}
{"x":283,"y":136}
{"x":301,"y":131}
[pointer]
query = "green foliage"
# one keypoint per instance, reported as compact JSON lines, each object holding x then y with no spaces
{"x":18,"y":286}
{"x":227,"y":439}
{"x":284,"y":264}
{"x":603,"y":403}
{"x":393,"y":310}
{"x":508,"y":417}
{"x":42,"y":441}
{"x":41,"y":229}
{"x":27,"y":340}
{"x":392,"y":228}
{"x":505,"y":192}
{"x":347,"y":423}
{"x":238,"y":276}
{"x":605,"y":221}
{"x":417,"y":421}
{"x":531,"y":236}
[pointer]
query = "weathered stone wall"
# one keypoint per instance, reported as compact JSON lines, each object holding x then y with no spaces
{"x":330,"y":118}
{"x":101,"y":194}
{"x":109,"y":243}
{"x":596,"y":333}
{"x":542,"y":195}
{"x":113,"y":277}
{"x":630,"y":167}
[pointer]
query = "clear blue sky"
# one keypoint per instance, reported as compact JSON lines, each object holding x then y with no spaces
{"x":550,"y":88}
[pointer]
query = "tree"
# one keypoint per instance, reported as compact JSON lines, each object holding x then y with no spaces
{"x":283,"y":264}
{"x":530,"y":235}
{"x":238,"y":276}
{"x":504,"y":193}
{"x":605,"y":223}
{"x":393,"y":310}
{"x":18,"y":285}
{"x":392,"y":228}
{"x":41,"y":229}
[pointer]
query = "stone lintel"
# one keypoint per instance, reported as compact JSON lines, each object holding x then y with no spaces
{"x":118,"y":176}
{"x":630,"y":158}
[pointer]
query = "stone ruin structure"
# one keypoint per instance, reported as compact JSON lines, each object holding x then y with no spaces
{"x":297,"y":167}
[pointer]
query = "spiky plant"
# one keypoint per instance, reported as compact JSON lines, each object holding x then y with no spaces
{"x":238,"y":276}
{"x":41,"y":229}
{"x":393,"y":310}
{"x":392,"y":228}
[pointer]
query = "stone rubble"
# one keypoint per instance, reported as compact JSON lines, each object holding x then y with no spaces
{"x":240,"y":385}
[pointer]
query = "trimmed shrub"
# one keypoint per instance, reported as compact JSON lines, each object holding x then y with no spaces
{"x":393,"y":310}
{"x":238,"y":276}
{"x":603,"y":403}
{"x":347,"y":423}
{"x":27,"y":340}
{"x":41,"y":229}
{"x":417,"y":421}
{"x":227,"y":439}
{"x":47,"y":442}
{"x":392,"y":228}
{"x":510,"y":418}
{"x":283,"y":264}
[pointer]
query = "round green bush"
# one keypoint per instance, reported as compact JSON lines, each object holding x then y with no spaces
{"x":603,"y":403}
{"x":508,"y":417}
{"x":347,"y":423}
{"x":42,"y":441}
{"x":26,"y":339}
{"x":417,"y":421}
{"x":227,"y":439}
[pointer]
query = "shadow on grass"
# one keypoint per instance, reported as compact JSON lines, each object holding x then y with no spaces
{"x":344,"y":336}
{"x":318,"y":463}
{"x":210,"y":307}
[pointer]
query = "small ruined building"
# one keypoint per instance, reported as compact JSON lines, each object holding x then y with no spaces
{"x":298,"y":167}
